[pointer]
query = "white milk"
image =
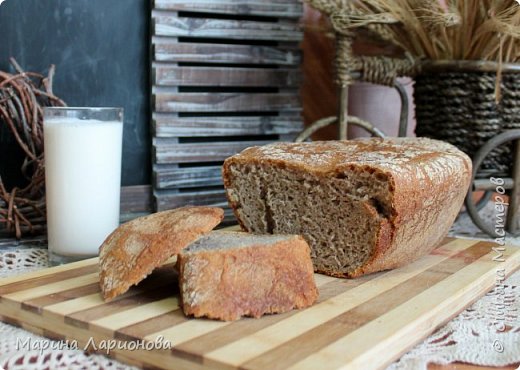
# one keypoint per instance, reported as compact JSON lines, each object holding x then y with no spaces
{"x":83,"y":179}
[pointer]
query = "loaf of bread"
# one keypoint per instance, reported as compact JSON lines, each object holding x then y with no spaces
{"x":362,"y":205}
{"x":137,"y":247}
{"x":227,"y":275}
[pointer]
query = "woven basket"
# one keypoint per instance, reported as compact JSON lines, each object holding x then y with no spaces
{"x":455,"y":102}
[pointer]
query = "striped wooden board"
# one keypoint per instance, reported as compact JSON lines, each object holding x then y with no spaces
{"x":357,"y":324}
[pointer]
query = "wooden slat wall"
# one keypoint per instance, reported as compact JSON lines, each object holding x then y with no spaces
{"x":172,"y":24}
{"x":167,"y":125}
{"x":171,"y":176}
{"x":166,"y":151}
{"x":166,"y":74}
{"x":226,"y":75}
{"x":166,"y":49}
{"x":271,"y":8}
{"x":166,"y":101}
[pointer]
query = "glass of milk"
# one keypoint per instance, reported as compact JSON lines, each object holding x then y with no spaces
{"x":83,"y":179}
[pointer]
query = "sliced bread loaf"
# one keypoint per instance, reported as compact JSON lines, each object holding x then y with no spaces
{"x":227,"y":275}
{"x":362,"y":205}
{"x":137,"y":247}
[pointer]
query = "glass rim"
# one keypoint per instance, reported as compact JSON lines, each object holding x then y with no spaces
{"x":85,"y":108}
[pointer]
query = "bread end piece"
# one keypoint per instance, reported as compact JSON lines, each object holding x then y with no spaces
{"x":228,"y":275}
{"x":137,"y":247}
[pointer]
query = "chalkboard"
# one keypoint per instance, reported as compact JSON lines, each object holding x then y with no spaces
{"x":101,"y":52}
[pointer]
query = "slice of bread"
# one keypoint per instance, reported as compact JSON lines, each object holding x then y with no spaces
{"x":362,"y":205}
{"x":227,"y":275}
{"x":137,"y":247}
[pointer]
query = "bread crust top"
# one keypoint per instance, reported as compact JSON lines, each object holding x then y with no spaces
{"x":387,"y":154}
{"x":137,"y":247}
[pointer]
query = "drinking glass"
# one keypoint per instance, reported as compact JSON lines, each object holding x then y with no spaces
{"x":83,"y":179}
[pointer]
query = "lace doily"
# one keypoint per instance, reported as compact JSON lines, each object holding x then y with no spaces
{"x":472,"y":337}
{"x":17,"y":261}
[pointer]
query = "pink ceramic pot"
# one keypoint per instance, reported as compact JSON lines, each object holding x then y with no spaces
{"x":381,"y":106}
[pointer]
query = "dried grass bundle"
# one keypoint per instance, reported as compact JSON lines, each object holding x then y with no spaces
{"x":430,"y":29}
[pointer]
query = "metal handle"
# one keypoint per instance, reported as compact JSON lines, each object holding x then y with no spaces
{"x":514,"y":183}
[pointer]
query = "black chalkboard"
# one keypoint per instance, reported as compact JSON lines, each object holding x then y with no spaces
{"x":101,"y":52}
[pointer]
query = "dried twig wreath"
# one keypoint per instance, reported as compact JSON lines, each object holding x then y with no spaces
{"x":22,"y":98}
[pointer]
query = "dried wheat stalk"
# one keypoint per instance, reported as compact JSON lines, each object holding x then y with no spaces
{"x":430,"y":29}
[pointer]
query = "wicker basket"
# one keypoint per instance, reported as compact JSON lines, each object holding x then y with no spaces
{"x":455,"y":102}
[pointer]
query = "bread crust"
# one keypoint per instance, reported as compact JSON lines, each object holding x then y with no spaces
{"x":428,"y":181}
{"x":226,"y":284}
{"x":137,"y":247}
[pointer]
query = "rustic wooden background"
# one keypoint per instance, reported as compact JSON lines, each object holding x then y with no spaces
{"x":224,"y":77}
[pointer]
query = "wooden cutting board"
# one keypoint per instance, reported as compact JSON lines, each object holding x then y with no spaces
{"x":357,"y":324}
